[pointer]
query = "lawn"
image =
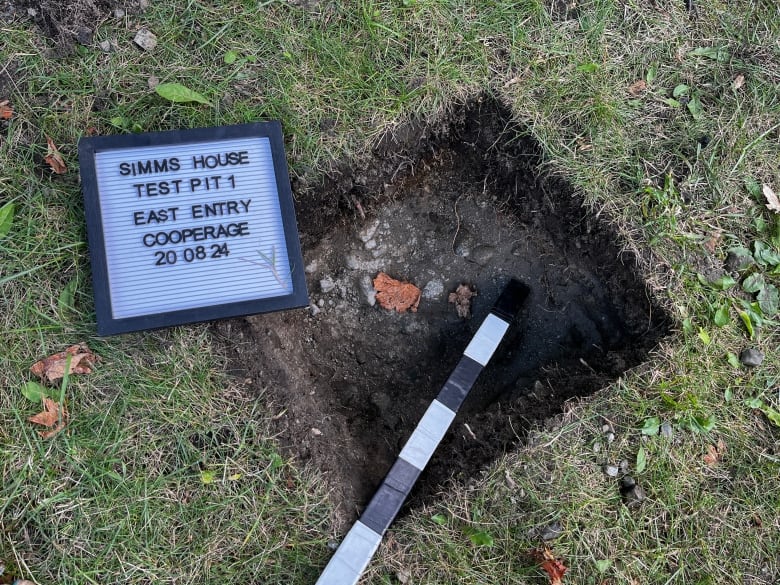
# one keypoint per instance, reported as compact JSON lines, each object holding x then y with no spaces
{"x":664,"y":115}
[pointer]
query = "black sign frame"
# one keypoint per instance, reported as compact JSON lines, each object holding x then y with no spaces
{"x":88,"y":147}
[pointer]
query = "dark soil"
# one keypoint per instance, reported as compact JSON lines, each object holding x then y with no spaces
{"x":69,"y":22}
{"x":457,"y":202}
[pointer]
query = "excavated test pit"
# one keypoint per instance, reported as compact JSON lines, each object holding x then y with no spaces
{"x":458,"y":202}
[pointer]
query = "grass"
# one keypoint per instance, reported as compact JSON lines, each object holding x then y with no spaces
{"x":121,"y":496}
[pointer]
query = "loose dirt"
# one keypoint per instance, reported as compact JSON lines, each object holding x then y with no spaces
{"x":459,"y":202}
{"x":69,"y":22}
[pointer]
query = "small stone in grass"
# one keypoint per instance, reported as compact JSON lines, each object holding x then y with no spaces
{"x":105,"y":46}
{"x":751,"y":358}
{"x":145,"y":39}
{"x":611,"y":470}
{"x":633,"y":493}
{"x":667,"y":431}
{"x":552,"y":531}
{"x":736,"y":262}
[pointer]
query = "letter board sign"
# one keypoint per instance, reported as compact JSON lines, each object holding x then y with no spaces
{"x":190,"y":225}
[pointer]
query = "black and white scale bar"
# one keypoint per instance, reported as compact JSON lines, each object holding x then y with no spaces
{"x":359,"y":545}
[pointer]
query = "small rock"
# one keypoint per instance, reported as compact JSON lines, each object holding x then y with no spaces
{"x":145,"y":39}
{"x":751,"y":358}
{"x":354,"y":262}
{"x":143,"y":4}
{"x":321,"y":303}
{"x":368,"y":231}
{"x":327,"y":284}
{"x":433,"y":290}
{"x":314,"y":310}
{"x":119,"y":13}
{"x":370,"y":244}
{"x":333,"y":545}
{"x":633,"y":496}
{"x":552,"y":531}
{"x":84,"y":35}
{"x":316,"y":432}
{"x":105,"y":46}
{"x":606,"y":428}
{"x":667,"y":431}
{"x":32,"y":12}
{"x":737,"y":262}
{"x":464,"y":243}
{"x":624,"y":466}
{"x":482,"y":254}
{"x":367,"y":290}
{"x":596,"y":447}
{"x":610,"y":438}
{"x":612,"y":470}
{"x":311,"y":267}
{"x":153,"y":81}
{"x":403,"y":576}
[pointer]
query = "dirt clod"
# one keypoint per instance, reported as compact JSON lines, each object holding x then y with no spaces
{"x":461,"y":298}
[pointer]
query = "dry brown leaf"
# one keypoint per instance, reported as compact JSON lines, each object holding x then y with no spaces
{"x":54,"y":158}
{"x":52,"y":368}
{"x":638,"y":87}
{"x":6,"y":111}
{"x":54,"y":416}
{"x":772,"y":202}
{"x":711,"y":243}
{"x":715,"y":453}
{"x":552,"y":566}
{"x":738,"y":82}
{"x":395,"y":295}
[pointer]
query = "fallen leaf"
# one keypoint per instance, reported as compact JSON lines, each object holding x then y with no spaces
{"x":52,"y":368}
{"x":395,"y":295}
{"x":711,"y":243}
{"x":6,"y":111}
{"x":54,"y":416}
{"x":772,"y":202}
{"x":715,"y":453}
{"x":583,"y":145}
{"x":461,"y":298}
{"x":638,"y":87}
{"x":54,"y":158}
{"x":178,"y":93}
{"x":552,"y":566}
{"x":738,"y":82}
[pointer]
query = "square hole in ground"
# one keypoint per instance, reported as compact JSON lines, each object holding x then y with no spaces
{"x":459,"y":202}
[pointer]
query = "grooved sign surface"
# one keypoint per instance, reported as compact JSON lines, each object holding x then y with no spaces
{"x":190,"y":226}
